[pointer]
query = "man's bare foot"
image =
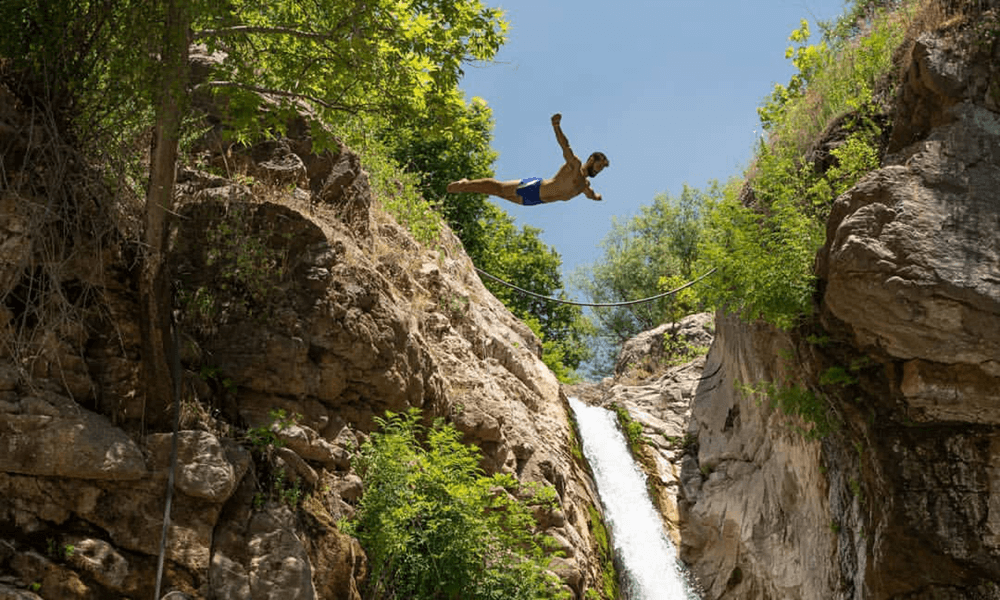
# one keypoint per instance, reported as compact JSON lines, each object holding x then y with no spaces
{"x":454,"y":185}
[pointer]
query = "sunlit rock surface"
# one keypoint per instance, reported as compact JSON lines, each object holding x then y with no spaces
{"x":360,"y":320}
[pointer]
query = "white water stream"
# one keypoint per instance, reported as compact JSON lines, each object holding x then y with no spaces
{"x":647,"y":557}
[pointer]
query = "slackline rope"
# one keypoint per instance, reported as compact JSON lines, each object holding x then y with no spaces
{"x":601,"y":304}
{"x":176,"y":368}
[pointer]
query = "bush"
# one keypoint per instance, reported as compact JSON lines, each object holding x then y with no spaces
{"x":809,"y":413}
{"x":631,"y":428}
{"x":763,"y":234}
{"x":397,"y":190}
{"x":434,"y":526}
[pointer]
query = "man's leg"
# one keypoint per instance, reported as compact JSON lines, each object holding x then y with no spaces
{"x":502,"y":189}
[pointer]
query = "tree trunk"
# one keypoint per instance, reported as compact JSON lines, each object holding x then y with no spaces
{"x":156,"y":295}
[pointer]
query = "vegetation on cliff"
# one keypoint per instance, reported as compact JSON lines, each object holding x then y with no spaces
{"x":824,"y":130}
{"x":434,"y":526}
{"x":115,"y":78}
{"x":383,"y":77}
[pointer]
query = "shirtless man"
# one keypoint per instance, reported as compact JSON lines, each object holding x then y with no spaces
{"x":570,"y":181}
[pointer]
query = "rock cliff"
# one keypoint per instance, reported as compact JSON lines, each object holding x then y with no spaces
{"x":855,"y":457}
{"x":305,"y":312}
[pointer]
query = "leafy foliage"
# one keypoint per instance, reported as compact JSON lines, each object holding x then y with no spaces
{"x":764,"y":259}
{"x":444,"y":151}
{"x":809,"y":412}
{"x":631,"y":428}
{"x":605,"y":552}
{"x":807,"y":59}
{"x":400,"y":59}
{"x":264,"y":438}
{"x":840,"y":75}
{"x":397,"y":190}
{"x":88,"y":61}
{"x":655,"y":251}
{"x":518,"y":255}
{"x":434,"y":526}
{"x":763,"y":235}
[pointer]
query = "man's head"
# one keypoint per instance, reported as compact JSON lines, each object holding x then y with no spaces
{"x":596,"y":163}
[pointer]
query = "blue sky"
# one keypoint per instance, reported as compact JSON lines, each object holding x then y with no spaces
{"x":668,"y":89}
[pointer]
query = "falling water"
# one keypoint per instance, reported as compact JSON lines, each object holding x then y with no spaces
{"x":648,"y":558}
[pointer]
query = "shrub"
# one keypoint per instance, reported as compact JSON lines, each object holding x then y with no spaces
{"x":397,"y":190}
{"x":763,"y":234}
{"x":606,"y":554}
{"x":631,"y":428}
{"x":798,"y":402}
{"x":434,"y":526}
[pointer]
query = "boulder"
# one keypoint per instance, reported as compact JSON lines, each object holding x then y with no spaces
{"x":280,"y":568}
{"x":50,"y":435}
{"x":206,"y":468}
{"x":648,"y":351}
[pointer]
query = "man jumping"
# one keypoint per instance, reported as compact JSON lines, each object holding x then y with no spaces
{"x":570,"y":181}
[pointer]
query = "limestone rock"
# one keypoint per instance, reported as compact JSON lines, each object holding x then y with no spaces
{"x":647,"y":351}
{"x":204,"y":467}
{"x":101,"y":560}
{"x":566,"y":570}
{"x":54,"y":581}
{"x":754,"y":513}
{"x":308,"y":444}
{"x":283,"y":167}
{"x":906,"y":262}
{"x":279,"y":566}
{"x":349,"y":487}
{"x":12,"y":593}
{"x":50,"y":435}
{"x":900,"y":501}
{"x":293,"y":467}
{"x":334,"y":314}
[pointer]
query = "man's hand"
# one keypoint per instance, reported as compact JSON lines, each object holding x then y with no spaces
{"x":556,"y":119}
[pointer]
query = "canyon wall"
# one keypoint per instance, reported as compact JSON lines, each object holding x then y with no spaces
{"x":899,"y":496}
{"x":305,"y":312}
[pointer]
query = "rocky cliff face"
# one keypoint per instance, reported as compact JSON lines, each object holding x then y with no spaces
{"x":856,"y":457}
{"x":332,"y":315}
{"x":901,"y":499}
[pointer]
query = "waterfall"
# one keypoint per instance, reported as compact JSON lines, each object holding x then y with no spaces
{"x":651,"y":570}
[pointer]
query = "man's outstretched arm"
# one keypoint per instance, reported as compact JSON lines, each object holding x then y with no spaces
{"x":590,"y":193}
{"x":561,"y":138}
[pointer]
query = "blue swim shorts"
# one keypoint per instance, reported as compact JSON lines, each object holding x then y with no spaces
{"x":529,"y":190}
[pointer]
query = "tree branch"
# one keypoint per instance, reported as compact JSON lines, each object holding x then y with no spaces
{"x":251,"y":29}
{"x":275,"y":92}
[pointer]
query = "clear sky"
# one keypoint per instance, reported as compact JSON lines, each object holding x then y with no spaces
{"x":668,"y":89}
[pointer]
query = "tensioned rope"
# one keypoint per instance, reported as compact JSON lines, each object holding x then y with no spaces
{"x":598,"y":304}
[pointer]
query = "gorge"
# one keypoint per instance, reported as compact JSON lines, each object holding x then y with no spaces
{"x":851,"y":456}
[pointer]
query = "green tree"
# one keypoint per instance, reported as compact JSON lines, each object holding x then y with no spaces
{"x":807,"y":59}
{"x":399,"y":59}
{"x":643,"y":257}
{"x":518,"y":255}
{"x":396,"y":58}
{"x":434,"y":526}
{"x":763,"y":233}
{"x":442,"y":152}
